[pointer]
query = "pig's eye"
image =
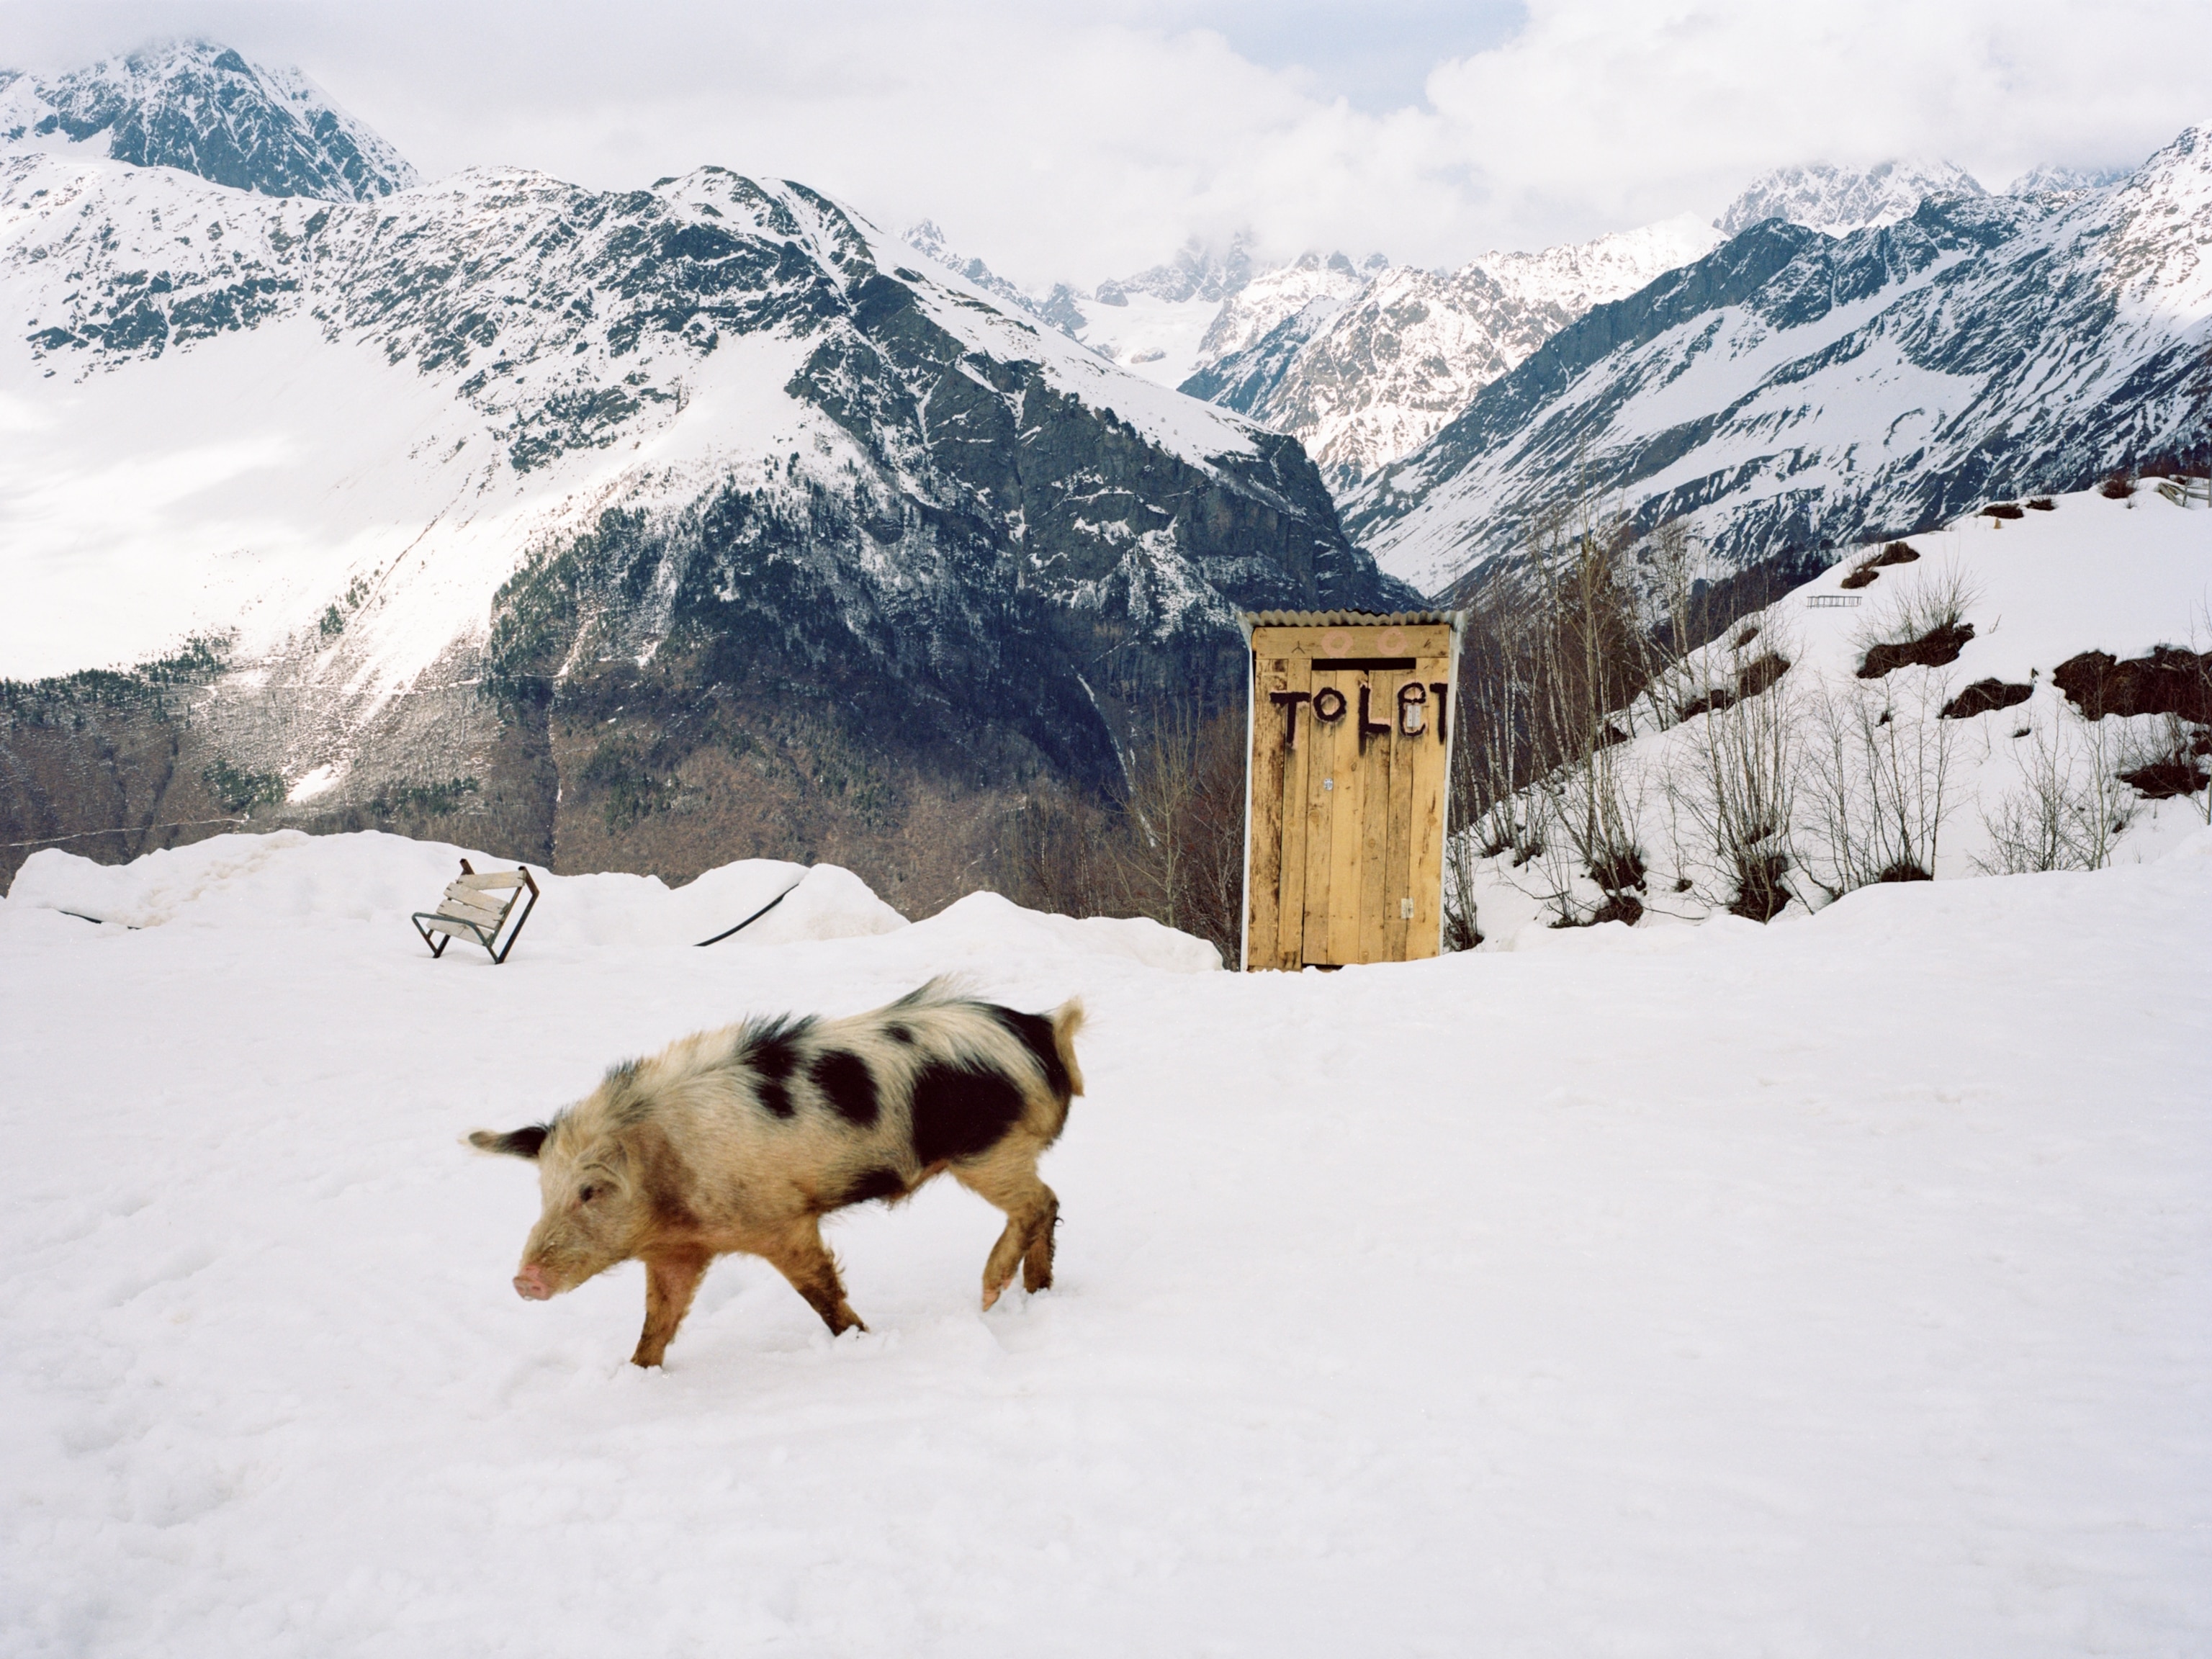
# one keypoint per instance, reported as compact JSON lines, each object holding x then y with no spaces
{"x":588,"y":1193}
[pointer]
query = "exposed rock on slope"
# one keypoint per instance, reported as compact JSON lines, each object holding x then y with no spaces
{"x":1837,"y":201}
{"x":203,"y":108}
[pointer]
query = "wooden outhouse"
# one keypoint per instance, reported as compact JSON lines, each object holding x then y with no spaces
{"x":1350,"y":762}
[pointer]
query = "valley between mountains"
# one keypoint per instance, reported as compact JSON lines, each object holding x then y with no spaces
{"x":653,"y":528}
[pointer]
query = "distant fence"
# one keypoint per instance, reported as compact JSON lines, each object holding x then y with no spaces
{"x":1833,"y":601}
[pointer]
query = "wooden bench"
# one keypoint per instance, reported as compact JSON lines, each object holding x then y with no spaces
{"x":474,"y":909}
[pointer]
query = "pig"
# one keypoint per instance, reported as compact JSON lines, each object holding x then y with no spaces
{"x":744,"y":1138}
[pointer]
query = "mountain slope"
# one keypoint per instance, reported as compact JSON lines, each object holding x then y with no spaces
{"x":1364,"y":381}
{"x":653,"y":525}
{"x":1793,"y":391}
{"x":1837,"y":201}
{"x":201,"y":107}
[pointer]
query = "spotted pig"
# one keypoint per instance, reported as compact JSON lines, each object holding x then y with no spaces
{"x":744,"y":1138}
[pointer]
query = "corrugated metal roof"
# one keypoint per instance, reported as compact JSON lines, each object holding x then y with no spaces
{"x":1345,"y":618}
{"x":1252,"y":619}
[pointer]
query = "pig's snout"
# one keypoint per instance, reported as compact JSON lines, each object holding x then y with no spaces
{"x":533,"y":1284}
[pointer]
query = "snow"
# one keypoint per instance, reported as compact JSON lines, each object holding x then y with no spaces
{"x":1792,"y":424}
{"x":2091,"y":574}
{"x":1388,"y":368}
{"x":1157,"y":339}
{"x":1576,"y":276}
{"x":245,"y":482}
{"x":284,"y":879}
{"x":1833,"y":1287}
{"x":1142,"y":394}
{"x":1837,"y":201}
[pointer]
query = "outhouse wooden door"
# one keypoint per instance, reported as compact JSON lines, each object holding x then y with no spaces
{"x":1351,"y":753}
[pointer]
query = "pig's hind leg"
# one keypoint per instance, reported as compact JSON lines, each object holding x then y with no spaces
{"x":1007,"y":1177}
{"x":671,"y":1282}
{"x":801,"y":1257}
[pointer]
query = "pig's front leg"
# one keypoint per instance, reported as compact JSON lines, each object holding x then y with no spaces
{"x":671,"y":1281}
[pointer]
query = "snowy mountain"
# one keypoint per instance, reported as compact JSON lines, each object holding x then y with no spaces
{"x":1837,"y":201}
{"x":1793,"y":389}
{"x":1310,"y":288}
{"x":2044,"y":180}
{"x":201,"y":107}
{"x":1364,"y":379}
{"x":642,"y":526}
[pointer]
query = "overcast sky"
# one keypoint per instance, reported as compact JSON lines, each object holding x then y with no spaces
{"x":1080,"y":142}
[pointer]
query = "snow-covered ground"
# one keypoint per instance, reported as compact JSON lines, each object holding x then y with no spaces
{"x":1837,"y":1288}
{"x":2091,"y":574}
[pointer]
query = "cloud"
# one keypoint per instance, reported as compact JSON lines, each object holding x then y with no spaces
{"x":1083,"y":144}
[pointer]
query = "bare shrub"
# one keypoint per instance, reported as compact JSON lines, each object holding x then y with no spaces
{"x":1923,"y":624}
{"x":1738,"y":791}
{"x":1875,"y":785}
{"x":2069,"y":805}
{"x":1591,"y":660}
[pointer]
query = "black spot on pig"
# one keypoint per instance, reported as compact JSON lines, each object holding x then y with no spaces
{"x":1035,"y":1031}
{"x":770,"y":1049}
{"x":961,"y":1111}
{"x":847,"y":1085}
{"x":873,"y":1184}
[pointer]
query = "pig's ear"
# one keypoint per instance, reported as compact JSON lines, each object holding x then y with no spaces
{"x":516,"y":1143}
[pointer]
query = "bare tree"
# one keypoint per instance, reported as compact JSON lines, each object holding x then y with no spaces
{"x":1167,"y":843}
{"x":2069,"y":805}
{"x":1743,"y":743}
{"x":1875,"y":788}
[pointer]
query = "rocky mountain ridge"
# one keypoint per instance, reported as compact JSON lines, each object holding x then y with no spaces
{"x":638,"y":528}
{"x":202,"y":108}
{"x":1838,"y":200}
{"x":1794,"y":390}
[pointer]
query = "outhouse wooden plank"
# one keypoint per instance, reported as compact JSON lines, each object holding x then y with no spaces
{"x":1417,"y":640}
{"x":1430,"y":768}
{"x":1323,"y":761}
{"x":1263,"y":878}
{"x":1397,"y":878}
{"x":1375,"y":902}
{"x":1347,"y":839}
{"x":1289,"y":940}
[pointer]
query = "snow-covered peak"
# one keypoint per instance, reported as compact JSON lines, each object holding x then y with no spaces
{"x":197,"y":105}
{"x":1837,"y":200}
{"x":1198,"y":273}
{"x":2049,"y":180}
{"x":1580,"y":274}
{"x":1273,"y":296}
{"x":1364,"y":365}
{"x":2160,"y":225}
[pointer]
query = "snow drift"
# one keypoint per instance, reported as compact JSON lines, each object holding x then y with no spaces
{"x":1831,"y":1287}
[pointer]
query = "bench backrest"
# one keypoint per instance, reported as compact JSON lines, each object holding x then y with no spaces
{"x":475,"y":898}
